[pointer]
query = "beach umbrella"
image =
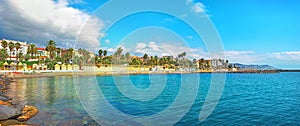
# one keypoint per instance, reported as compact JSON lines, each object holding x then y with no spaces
{"x":20,"y":64}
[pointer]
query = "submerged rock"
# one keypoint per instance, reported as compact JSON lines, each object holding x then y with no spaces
{"x":5,"y":99}
{"x":11,"y":122}
{"x":5,"y":103}
{"x":7,"y":112}
{"x":73,"y":122}
{"x":27,"y":113}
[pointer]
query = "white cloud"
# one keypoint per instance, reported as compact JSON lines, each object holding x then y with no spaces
{"x":153,"y":46}
{"x":141,"y":46}
{"x":166,"y":49}
{"x":38,"y":21}
{"x":111,"y":50}
{"x":189,"y":1}
{"x":199,"y":7}
{"x":288,"y":59}
{"x":107,"y":41}
{"x":288,"y":55}
{"x":246,"y":57}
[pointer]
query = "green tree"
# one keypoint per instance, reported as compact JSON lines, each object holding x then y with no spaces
{"x":27,"y":57}
{"x":145,"y":57}
{"x":51,"y":48}
{"x":100,"y":53}
{"x":104,"y":53}
{"x":71,"y":53}
{"x":58,"y":51}
{"x":11,"y":47}
{"x":3,"y":54}
{"x":20,"y":56}
{"x":4,"y":44}
{"x":32,"y":50}
{"x":18,"y":46}
{"x":156,"y":60}
{"x":230,"y":66}
{"x":117,"y":55}
{"x":107,"y":60}
{"x":127,"y":56}
{"x":201,"y":64}
{"x":58,"y":59}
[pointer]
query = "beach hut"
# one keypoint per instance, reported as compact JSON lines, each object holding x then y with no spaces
{"x":35,"y":66}
{"x":75,"y":67}
{"x":5,"y":65}
{"x":20,"y":66}
{"x":69,"y":67}
{"x":63,"y":67}
{"x":12,"y":66}
{"x":25,"y":66}
{"x":57,"y":67}
{"x":45,"y":67}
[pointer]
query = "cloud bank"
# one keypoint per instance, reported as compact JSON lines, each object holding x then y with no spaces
{"x":38,"y":21}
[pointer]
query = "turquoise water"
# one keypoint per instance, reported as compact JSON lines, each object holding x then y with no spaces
{"x":247,"y":99}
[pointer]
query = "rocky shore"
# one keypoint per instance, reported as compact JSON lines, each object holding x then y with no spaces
{"x":13,"y":113}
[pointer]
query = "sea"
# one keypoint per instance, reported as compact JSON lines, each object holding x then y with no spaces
{"x":163,"y":99}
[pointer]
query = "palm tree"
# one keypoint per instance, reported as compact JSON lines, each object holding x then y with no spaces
{"x":58,"y":50}
{"x":127,"y":56}
{"x":70,"y":51}
{"x":4,"y":44}
{"x":20,"y":56}
{"x":11,"y":47}
{"x":17,"y":46}
{"x":100,"y":53}
{"x":156,"y":60}
{"x":3,"y":54}
{"x":151,"y":62}
{"x":32,"y":49}
{"x":145,"y":57}
{"x":117,"y":55}
{"x":51,"y":47}
{"x":104,"y":53}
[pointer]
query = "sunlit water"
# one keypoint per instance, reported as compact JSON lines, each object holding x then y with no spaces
{"x":247,"y":99}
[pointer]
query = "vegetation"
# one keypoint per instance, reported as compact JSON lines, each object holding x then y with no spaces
{"x":83,"y":57}
{"x":51,"y":48}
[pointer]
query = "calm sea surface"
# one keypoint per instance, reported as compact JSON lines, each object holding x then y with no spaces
{"x":247,"y":99}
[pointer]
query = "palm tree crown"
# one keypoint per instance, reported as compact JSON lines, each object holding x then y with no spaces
{"x":4,"y":44}
{"x":51,"y":48}
{"x":11,"y":47}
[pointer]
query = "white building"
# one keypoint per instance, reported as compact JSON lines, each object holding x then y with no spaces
{"x":218,"y":64}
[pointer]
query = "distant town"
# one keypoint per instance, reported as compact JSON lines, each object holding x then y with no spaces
{"x":22,"y":56}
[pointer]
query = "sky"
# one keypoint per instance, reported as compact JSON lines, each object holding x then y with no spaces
{"x":250,"y":31}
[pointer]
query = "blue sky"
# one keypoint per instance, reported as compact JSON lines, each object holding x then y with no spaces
{"x":252,"y":31}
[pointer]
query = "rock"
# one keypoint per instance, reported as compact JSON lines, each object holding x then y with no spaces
{"x":5,"y":99}
{"x":8,"y":112}
{"x":27,"y":113}
{"x":19,"y":106}
{"x":11,"y":122}
{"x":70,"y":123}
{"x":5,"y":103}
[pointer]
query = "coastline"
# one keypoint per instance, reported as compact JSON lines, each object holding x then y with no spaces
{"x":111,"y":73}
{"x":13,"y":112}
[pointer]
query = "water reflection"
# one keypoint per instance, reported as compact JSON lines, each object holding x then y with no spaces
{"x":55,"y":97}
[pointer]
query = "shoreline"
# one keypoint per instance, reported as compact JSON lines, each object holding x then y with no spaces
{"x":102,"y":73}
{"x":13,"y":112}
